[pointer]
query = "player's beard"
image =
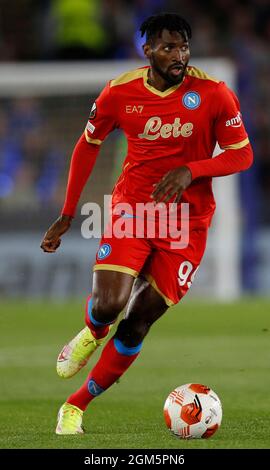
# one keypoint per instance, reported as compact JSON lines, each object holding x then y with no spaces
{"x":166,"y":75}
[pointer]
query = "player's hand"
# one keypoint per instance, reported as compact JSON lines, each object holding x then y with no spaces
{"x":173,"y":183}
{"x":52,"y":240}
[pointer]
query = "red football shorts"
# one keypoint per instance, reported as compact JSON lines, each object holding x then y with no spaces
{"x":169,"y":271}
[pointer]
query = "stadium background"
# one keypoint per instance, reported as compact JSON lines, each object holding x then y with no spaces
{"x":47,"y":50}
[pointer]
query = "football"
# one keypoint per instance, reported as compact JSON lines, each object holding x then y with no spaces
{"x":193,"y":411}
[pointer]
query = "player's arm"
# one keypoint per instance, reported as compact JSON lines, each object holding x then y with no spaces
{"x":82,"y":162}
{"x":101,"y":122}
{"x":232,"y":138}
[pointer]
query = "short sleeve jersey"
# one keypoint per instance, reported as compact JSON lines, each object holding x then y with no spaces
{"x":166,"y":130}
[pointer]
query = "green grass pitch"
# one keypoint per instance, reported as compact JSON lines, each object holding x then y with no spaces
{"x":225,"y":346}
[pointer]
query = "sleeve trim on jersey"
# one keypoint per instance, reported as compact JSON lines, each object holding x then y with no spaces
{"x":115,"y":267}
{"x":239,"y":145}
{"x":92,"y":141}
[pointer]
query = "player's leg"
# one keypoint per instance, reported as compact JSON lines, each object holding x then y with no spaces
{"x":118,"y":262}
{"x":145,"y":307}
{"x":111,"y":291}
{"x":116,"y":257}
{"x":110,"y":294}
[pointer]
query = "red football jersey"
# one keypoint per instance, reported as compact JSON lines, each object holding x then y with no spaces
{"x":166,"y":130}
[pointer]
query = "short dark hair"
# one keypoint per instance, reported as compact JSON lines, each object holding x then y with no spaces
{"x":170,"y":21}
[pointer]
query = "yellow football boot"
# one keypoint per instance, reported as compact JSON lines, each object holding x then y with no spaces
{"x":69,"y":420}
{"x":76,"y":353}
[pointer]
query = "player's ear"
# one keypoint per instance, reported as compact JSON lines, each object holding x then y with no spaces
{"x":147,"y":50}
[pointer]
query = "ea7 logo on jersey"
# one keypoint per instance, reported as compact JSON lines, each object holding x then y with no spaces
{"x":154,"y":129}
{"x":132,"y":108}
{"x":235,"y":121}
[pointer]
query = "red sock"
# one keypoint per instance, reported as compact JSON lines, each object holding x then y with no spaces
{"x":114,"y":361}
{"x":98,"y":329}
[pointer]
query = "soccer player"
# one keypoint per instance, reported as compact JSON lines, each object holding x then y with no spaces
{"x":172,"y":115}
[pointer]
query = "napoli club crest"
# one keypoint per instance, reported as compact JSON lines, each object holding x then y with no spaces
{"x":191,"y":100}
{"x":104,"y":251}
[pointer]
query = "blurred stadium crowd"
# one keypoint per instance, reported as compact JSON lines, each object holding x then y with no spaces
{"x":33,"y":150}
{"x":90,"y":29}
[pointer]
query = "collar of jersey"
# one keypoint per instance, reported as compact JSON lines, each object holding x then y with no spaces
{"x":163,"y":94}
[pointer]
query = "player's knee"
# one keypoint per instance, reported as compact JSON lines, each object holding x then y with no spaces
{"x":106,"y":310}
{"x":132,"y":333}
